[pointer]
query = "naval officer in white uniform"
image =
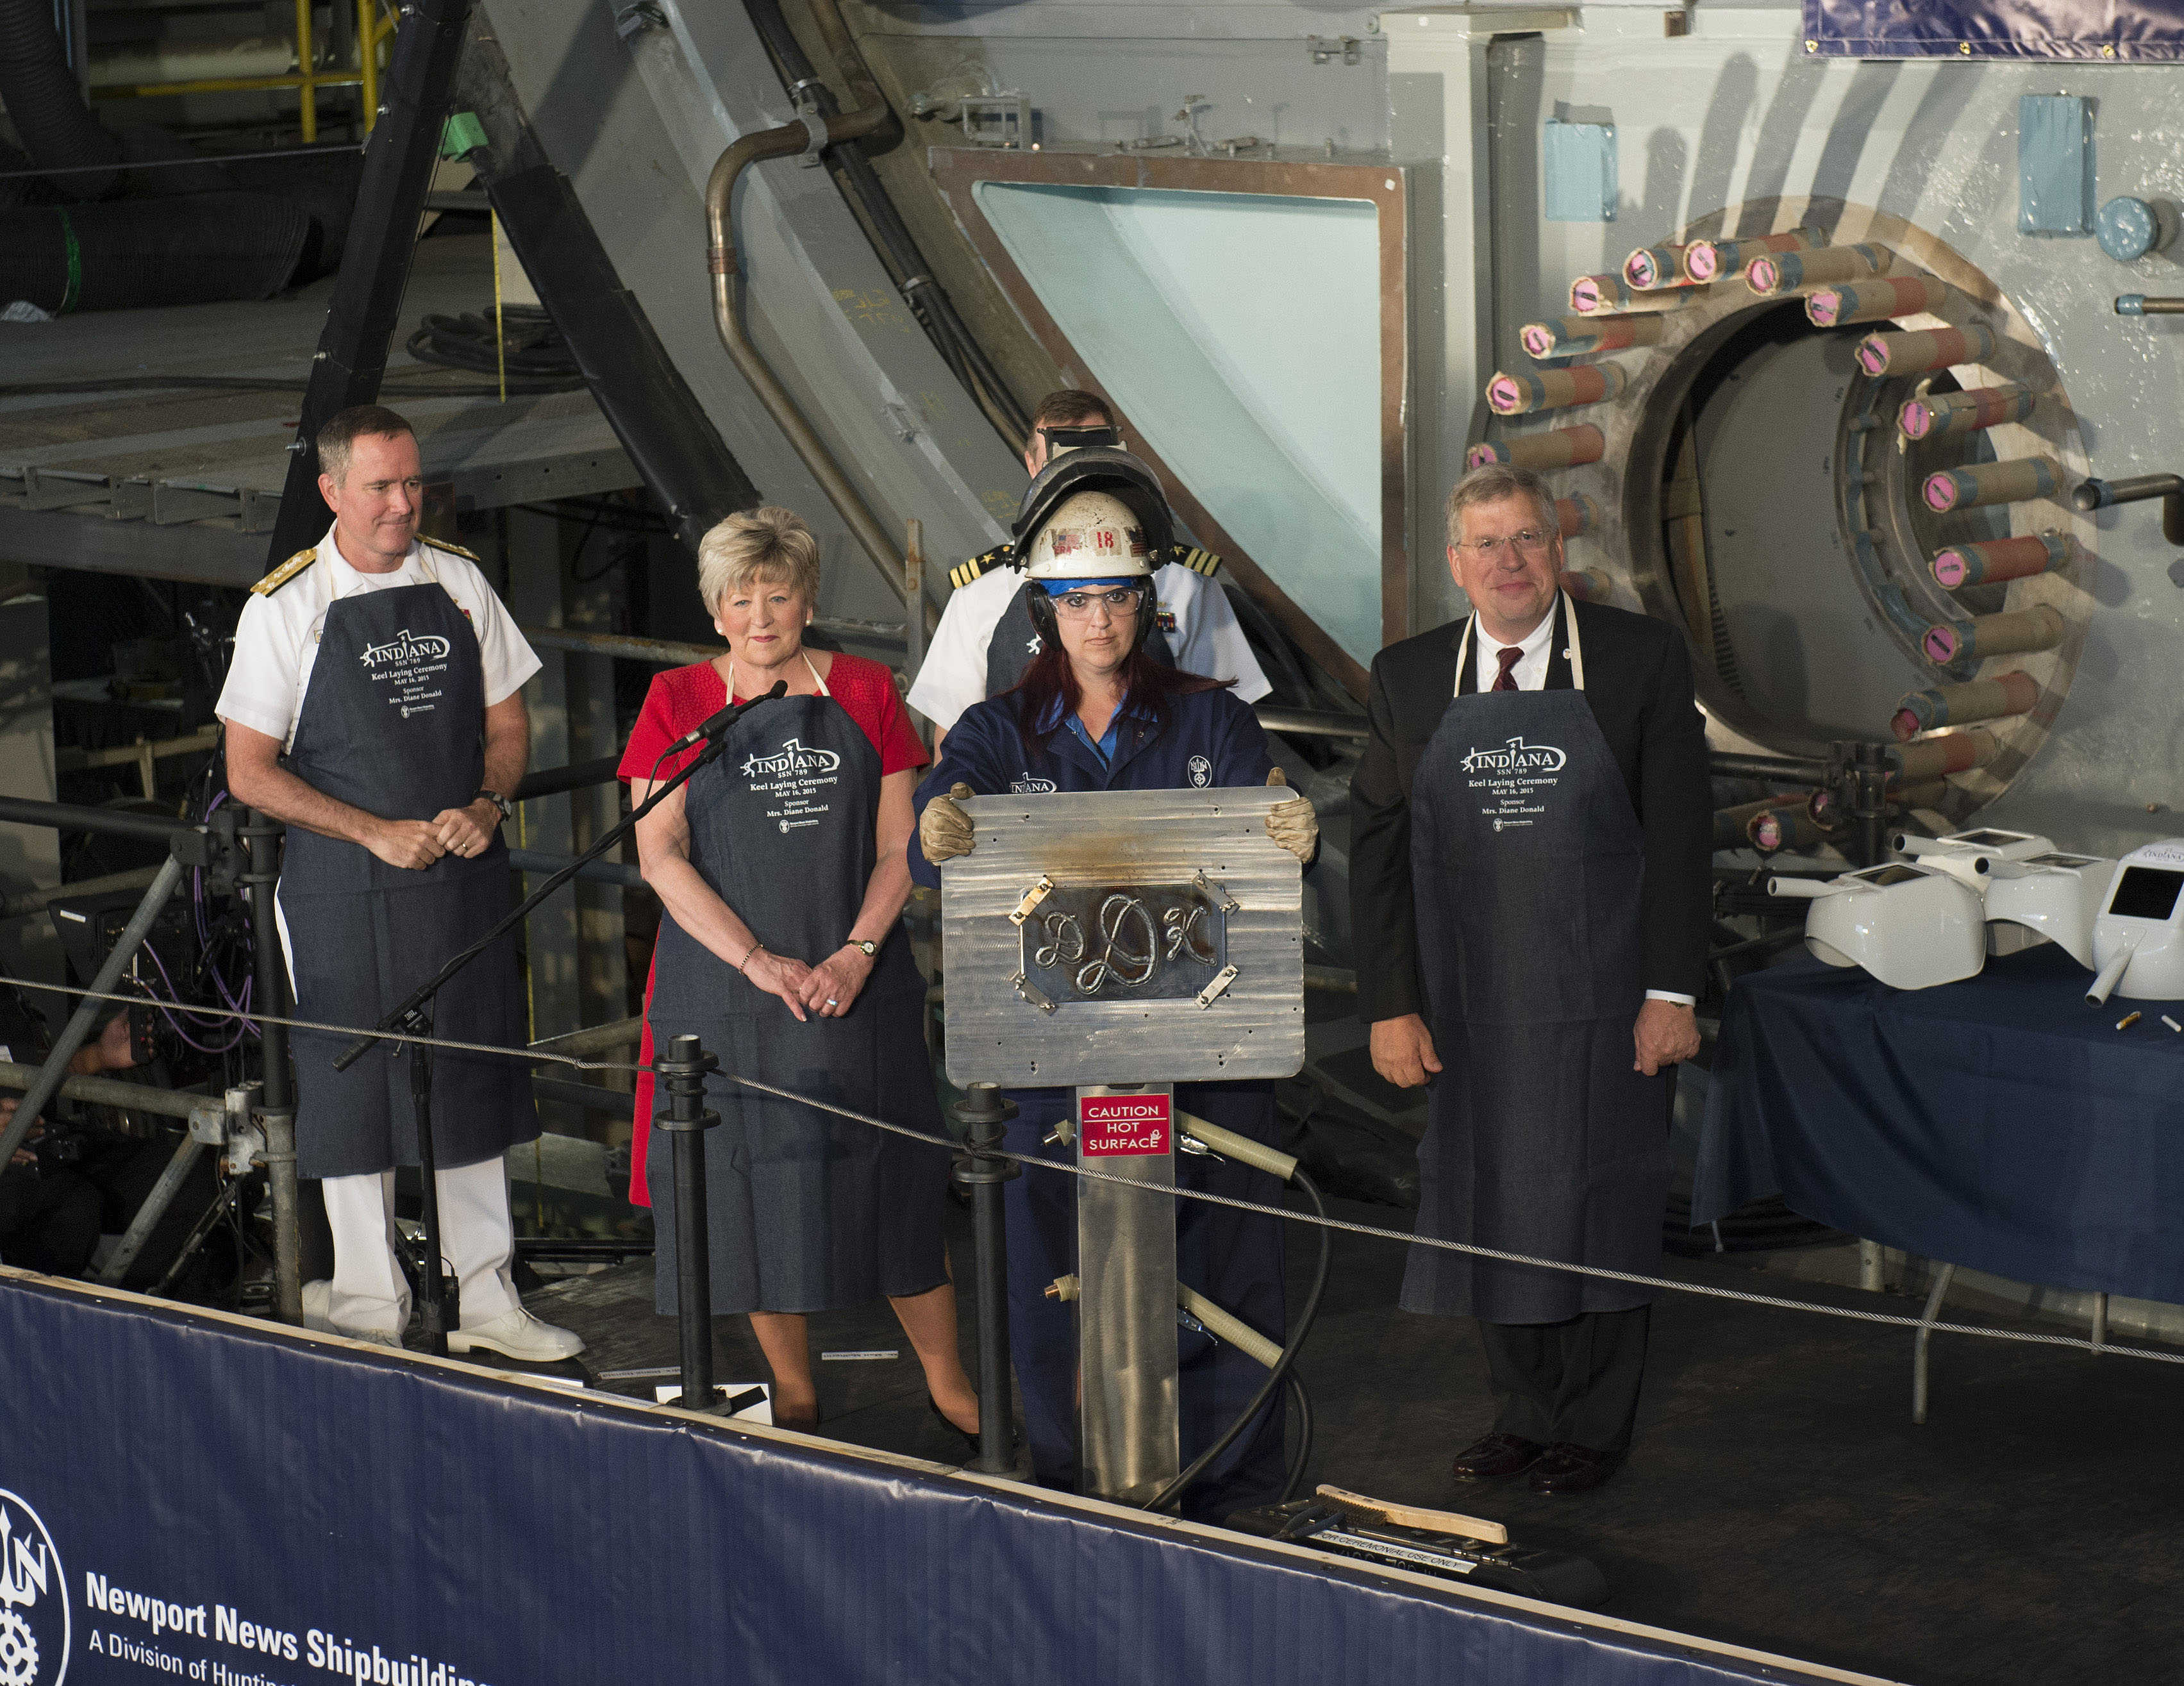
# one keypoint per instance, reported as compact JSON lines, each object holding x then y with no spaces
{"x":374,"y":705}
{"x":986,"y":639}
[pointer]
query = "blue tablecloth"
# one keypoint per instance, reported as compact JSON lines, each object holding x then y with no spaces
{"x":1999,"y":1123}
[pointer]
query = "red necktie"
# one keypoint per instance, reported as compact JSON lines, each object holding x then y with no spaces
{"x":1509,"y":655}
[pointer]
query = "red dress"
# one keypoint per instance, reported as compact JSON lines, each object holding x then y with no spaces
{"x":683,"y":699}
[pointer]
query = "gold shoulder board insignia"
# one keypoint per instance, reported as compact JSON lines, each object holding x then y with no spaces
{"x":964,"y":573}
{"x":1198,"y":561}
{"x":452,"y":549}
{"x":286,"y":571}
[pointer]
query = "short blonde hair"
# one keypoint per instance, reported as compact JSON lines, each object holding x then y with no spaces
{"x":1491,"y":482}
{"x":768,"y":544}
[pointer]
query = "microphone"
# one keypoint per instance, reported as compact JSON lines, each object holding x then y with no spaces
{"x":714,"y":724}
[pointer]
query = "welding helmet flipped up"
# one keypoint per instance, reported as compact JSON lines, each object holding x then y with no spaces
{"x":1096,"y":517}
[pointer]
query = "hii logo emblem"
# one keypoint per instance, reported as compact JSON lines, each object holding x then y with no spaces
{"x":1516,"y":756}
{"x":34,"y":1608}
{"x":792,"y":758}
{"x":1201,"y":771}
{"x":403,"y":646}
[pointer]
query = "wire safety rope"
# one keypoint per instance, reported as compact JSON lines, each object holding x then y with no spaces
{"x":1703,"y":1290}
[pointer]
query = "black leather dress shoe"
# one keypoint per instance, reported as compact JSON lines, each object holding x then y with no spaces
{"x":1496,"y":1456}
{"x":1568,"y":1467}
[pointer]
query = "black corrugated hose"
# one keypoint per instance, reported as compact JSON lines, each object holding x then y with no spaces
{"x":45,"y":104}
{"x":129,"y":254}
{"x":927,"y":299}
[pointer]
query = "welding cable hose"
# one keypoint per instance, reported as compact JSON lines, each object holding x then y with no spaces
{"x":1271,"y":1388}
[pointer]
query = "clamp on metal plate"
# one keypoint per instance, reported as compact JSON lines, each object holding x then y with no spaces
{"x":1222,"y":980}
{"x":1215,"y":893}
{"x":1032,"y":993}
{"x":1032,"y":896}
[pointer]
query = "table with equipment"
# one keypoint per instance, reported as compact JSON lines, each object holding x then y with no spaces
{"x":1999,"y":1124}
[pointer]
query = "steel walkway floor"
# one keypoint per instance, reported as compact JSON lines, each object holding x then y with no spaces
{"x":190,"y":479}
{"x":1777,"y":1495}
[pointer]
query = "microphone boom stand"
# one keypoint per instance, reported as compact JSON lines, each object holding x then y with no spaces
{"x":414,"y":1016}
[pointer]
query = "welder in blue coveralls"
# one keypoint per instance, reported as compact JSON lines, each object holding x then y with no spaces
{"x":1094,"y":712}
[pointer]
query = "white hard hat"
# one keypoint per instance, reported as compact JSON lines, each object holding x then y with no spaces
{"x":1092,"y":536}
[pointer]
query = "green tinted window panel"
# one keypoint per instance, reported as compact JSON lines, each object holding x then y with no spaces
{"x":1240,"y":334}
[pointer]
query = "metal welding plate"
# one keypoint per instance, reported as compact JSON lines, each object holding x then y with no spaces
{"x":1135,"y":874}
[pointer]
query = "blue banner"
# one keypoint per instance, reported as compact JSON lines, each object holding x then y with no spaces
{"x":2099,"y":31}
{"x":189,"y":1497}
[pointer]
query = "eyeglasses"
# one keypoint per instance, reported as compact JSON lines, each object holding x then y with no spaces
{"x":1078,"y":606}
{"x":1530,"y":540}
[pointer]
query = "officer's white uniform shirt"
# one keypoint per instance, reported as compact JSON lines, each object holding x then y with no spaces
{"x":276,"y":641}
{"x":1206,"y":638}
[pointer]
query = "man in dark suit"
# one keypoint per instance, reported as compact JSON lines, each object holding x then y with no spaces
{"x":1529,"y":883}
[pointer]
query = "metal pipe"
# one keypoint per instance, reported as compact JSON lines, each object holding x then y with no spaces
{"x":2099,"y":1332}
{"x":67,"y":816}
{"x":1871,"y":1258}
{"x":2100,"y":494}
{"x":37,"y":901}
{"x":2138,"y":304}
{"x":91,"y":1012}
{"x":811,"y":134}
{"x":554,"y":781}
{"x":1774,"y":769}
{"x":594,"y":1039}
{"x":113,"y":1092}
{"x":665,"y":653}
{"x":1919,"y":1340}
{"x":154,"y":1208}
{"x":602,"y":871}
{"x":260,"y":835}
{"x":1314,"y":723}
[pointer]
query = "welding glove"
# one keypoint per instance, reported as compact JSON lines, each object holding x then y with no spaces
{"x":944,"y":830}
{"x":1293,"y":824}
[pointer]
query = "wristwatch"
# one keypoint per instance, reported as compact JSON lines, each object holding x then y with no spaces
{"x":507,"y":808}
{"x":863,"y":945}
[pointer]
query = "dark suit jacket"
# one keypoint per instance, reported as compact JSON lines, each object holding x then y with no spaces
{"x":1638,"y":681}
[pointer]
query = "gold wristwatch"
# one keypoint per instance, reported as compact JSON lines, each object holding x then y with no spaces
{"x":863,"y":945}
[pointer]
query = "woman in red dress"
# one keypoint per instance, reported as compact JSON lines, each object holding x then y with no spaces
{"x":781,"y":871}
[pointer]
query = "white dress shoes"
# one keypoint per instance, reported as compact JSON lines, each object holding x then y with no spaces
{"x":318,"y":1296}
{"x":517,"y":1334}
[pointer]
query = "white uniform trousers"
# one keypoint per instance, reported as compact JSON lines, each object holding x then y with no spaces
{"x":478,"y":1239}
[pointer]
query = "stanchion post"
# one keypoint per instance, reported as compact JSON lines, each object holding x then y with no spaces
{"x":682,"y":1073}
{"x":276,"y":1108}
{"x":1870,"y":800}
{"x":985,"y":1114}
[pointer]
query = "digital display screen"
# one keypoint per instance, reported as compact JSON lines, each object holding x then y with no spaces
{"x":1886,"y":875}
{"x":2145,"y":892}
{"x":2060,"y":860}
{"x":1988,"y":839}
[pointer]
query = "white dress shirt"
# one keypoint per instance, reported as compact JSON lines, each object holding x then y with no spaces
{"x":1530,"y":673}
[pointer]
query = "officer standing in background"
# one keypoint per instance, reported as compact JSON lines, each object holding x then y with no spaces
{"x":374,"y":705}
{"x":986,"y":639}
{"x":1530,"y":884}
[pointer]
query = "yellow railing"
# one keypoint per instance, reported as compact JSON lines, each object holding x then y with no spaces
{"x":372,"y":33}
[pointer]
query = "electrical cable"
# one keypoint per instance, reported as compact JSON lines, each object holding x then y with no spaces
{"x":1300,"y":1461}
{"x":539,"y":1056}
{"x":528,"y":338}
{"x":1271,"y":1386}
